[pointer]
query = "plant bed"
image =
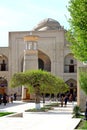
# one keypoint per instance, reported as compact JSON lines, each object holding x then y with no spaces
{"x":42,"y":109}
{"x":53,"y":105}
{"x":82,"y":125}
{"x":5,"y":113}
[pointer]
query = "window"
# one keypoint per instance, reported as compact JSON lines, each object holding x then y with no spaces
{"x":3,"y":66}
{"x":71,"y":85}
{"x":71,"y":68}
{"x":71,"y":61}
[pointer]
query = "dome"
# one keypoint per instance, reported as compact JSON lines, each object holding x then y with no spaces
{"x":48,"y":24}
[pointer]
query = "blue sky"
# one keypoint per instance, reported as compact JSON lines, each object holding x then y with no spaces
{"x":23,"y":15}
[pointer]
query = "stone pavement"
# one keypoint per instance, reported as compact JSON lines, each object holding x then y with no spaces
{"x":58,"y":119}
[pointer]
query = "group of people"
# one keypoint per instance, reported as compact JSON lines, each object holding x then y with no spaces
{"x":7,"y":98}
{"x":65,"y":99}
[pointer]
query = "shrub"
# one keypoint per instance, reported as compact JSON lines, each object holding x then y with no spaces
{"x":76,"y":111}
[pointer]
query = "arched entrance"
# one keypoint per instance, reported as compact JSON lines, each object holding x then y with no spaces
{"x":72,"y":87}
{"x":44,"y":62}
{"x":3,"y":85}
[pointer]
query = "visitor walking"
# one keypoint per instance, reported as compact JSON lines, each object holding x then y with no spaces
{"x":15,"y":96}
{"x":0,"y":99}
{"x":66,"y":99}
{"x":5,"y":98}
{"x":11,"y":98}
{"x":62,"y":98}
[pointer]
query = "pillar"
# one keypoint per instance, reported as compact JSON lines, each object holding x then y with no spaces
{"x":30,"y":60}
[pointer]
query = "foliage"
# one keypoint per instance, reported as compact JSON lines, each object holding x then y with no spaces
{"x":45,"y":108}
{"x":42,"y":109}
{"x":5,"y":113}
{"x":41,"y":82}
{"x":82,"y":125}
{"x":77,"y":34}
{"x":83,"y":79}
{"x":48,"y":83}
{"x":76,"y":111}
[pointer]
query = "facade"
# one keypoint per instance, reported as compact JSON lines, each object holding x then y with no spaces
{"x":50,"y":52}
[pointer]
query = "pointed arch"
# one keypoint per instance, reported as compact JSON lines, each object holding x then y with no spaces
{"x":3,"y":85}
{"x":44,"y":61}
{"x":73,"y":87}
{"x":70,"y":64}
{"x":3,"y":63}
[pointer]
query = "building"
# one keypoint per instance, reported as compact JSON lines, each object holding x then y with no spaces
{"x":50,"y":52}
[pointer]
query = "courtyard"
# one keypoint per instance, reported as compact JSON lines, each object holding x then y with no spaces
{"x":59,"y":118}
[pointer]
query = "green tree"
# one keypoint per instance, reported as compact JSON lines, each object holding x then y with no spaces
{"x":41,"y":81}
{"x":83,"y":79}
{"x":77,"y":34}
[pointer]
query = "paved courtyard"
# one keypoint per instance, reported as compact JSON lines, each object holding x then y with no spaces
{"x":58,"y":119}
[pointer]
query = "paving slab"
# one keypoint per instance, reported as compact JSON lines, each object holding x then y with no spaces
{"x":59,"y":119}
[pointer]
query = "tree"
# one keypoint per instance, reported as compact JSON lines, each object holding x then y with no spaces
{"x":41,"y":81}
{"x":77,"y":34}
{"x":83,"y":79}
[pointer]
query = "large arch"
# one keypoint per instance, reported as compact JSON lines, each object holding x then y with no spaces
{"x":72,"y":87}
{"x":3,"y":85}
{"x":70,"y":64}
{"x":44,"y":61}
{"x":3,"y":63}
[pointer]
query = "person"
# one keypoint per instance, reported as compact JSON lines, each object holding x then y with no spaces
{"x":11,"y":98}
{"x":4,"y":98}
{"x":0,"y":99}
{"x":86,"y":114}
{"x":70,"y":98}
{"x":66,"y":99}
{"x":62,"y":101}
{"x":15,"y":96}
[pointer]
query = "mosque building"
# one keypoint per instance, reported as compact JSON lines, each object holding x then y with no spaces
{"x":44,"y":47}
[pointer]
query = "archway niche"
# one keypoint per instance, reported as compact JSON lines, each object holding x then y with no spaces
{"x":3,"y":63}
{"x":3,"y":85}
{"x":72,"y":88}
{"x":70,"y":64}
{"x":44,"y":62}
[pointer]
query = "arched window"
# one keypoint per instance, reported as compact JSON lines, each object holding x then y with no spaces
{"x":70,"y":64}
{"x":3,"y":63}
{"x":3,"y":82}
{"x":71,"y":84}
{"x":3,"y":66}
{"x":71,"y":61}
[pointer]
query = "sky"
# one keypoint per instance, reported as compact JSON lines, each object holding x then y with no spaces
{"x":24,"y":15}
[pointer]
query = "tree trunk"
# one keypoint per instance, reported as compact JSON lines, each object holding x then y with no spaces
{"x":37,"y":93}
